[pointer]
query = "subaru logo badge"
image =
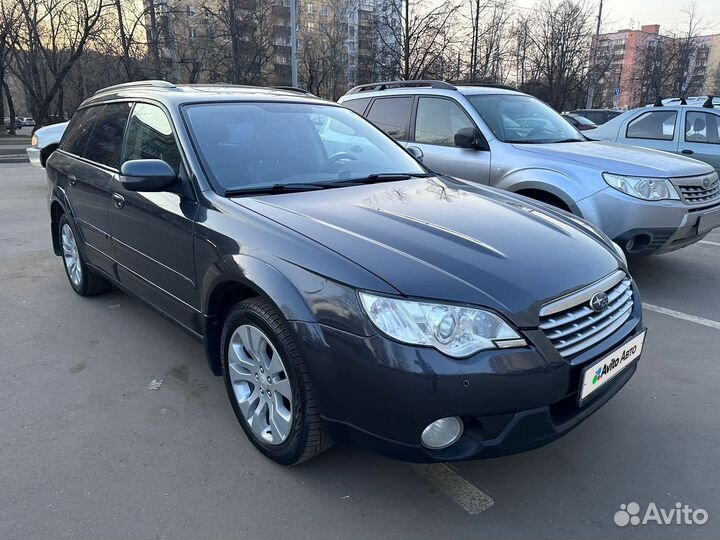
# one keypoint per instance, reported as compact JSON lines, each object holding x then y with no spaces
{"x":707,"y":182}
{"x":599,"y":301}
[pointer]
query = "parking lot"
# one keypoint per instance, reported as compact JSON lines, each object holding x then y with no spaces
{"x":88,"y":449}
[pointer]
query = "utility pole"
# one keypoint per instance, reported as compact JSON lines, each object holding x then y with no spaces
{"x":591,"y":85}
{"x":293,"y":42}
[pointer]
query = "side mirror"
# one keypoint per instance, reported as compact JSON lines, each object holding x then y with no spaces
{"x":147,"y":175}
{"x":415,"y":152}
{"x":469,"y":138}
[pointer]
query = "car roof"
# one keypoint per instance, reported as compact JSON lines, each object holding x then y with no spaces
{"x":179,"y":94}
{"x":448,"y":90}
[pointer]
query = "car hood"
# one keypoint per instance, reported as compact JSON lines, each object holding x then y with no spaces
{"x":50,"y":134}
{"x":443,"y":239}
{"x":618,"y":158}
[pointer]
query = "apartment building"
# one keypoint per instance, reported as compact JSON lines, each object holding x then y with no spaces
{"x":619,"y":55}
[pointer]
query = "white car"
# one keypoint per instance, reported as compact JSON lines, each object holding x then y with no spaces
{"x":44,"y":142}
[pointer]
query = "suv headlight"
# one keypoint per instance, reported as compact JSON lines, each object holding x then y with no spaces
{"x":649,"y":189}
{"x":453,"y":330}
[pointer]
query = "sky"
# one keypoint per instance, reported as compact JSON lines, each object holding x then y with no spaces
{"x":619,"y":14}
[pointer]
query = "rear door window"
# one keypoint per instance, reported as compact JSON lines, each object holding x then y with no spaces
{"x":77,"y":135}
{"x":392,"y":115}
{"x":655,"y":125}
{"x":702,"y":127}
{"x":107,"y":135}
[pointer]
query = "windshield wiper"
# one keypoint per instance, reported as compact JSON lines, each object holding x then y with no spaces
{"x":376,"y":178}
{"x":273,"y":189}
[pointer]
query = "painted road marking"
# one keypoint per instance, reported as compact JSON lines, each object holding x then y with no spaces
{"x":683,"y":316}
{"x":466,"y":495}
{"x":709,"y":243}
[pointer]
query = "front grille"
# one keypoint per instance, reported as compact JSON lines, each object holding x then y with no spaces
{"x":693,"y":191}
{"x":572,"y":326}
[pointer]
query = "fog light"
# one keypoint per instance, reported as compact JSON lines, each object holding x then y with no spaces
{"x":442,"y":433}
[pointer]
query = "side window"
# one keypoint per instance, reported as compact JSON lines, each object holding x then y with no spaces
{"x":702,"y":127}
{"x":392,"y":115}
{"x":658,"y":125}
{"x":78,"y":132}
{"x":150,"y":136}
{"x":438,"y":120}
{"x":107,"y":135}
{"x":357,"y":105}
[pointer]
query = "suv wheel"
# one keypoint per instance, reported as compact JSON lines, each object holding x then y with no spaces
{"x":84,"y":281}
{"x":268,"y":384}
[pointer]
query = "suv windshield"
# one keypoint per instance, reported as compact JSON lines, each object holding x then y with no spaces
{"x":523,"y":119}
{"x":254,"y":145}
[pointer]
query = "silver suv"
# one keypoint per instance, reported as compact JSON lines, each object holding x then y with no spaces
{"x":648,"y":201}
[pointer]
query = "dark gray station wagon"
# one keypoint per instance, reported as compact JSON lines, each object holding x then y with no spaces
{"x":342,"y":296}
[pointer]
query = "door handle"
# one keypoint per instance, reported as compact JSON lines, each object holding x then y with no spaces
{"x":118,"y":200}
{"x":72,"y":180}
{"x":687,"y":151}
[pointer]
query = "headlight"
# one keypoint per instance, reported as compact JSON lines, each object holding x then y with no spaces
{"x":649,"y":189}
{"x":33,"y":141}
{"x":453,"y":330}
{"x":620,"y":253}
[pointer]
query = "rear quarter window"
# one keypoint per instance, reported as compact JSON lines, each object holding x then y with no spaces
{"x":357,"y":105}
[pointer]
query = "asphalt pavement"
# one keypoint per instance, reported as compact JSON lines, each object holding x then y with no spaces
{"x":113,"y":427}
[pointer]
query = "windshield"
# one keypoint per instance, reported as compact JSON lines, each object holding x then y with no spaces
{"x":250,"y":145}
{"x":523,"y":119}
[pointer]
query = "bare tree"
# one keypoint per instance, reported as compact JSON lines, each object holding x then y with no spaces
{"x":489,"y":40}
{"x":8,"y":21}
{"x":51,"y":37}
{"x":665,"y":65}
{"x":413,"y":35}
{"x":558,"y":53}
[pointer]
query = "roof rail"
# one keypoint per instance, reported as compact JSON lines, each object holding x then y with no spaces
{"x":294,"y":89}
{"x":709,"y":102}
{"x":153,"y":83}
{"x":486,"y":85}
{"x":372,"y":87}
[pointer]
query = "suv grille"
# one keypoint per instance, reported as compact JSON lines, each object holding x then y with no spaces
{"x":693,"y":191}
{"x":572,"y":325}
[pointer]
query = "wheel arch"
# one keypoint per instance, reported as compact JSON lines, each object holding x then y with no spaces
{"x":544,"y":185}
{"x":238,"y":278}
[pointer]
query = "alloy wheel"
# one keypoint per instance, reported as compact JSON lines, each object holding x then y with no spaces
{"x":260,"y":384}
{"x":71,"y":255}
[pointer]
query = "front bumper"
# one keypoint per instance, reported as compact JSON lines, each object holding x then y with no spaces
{"x":381,"y":394}
{"x":33,"y":154}
{"x":645,"y":227}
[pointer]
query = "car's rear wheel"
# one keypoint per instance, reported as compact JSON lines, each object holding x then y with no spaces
{"x":268,"y":385}
{"x":84,"y":281}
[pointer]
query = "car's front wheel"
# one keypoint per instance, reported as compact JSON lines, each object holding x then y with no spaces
{"x":84,"y":281}
{"x":268,"y":385}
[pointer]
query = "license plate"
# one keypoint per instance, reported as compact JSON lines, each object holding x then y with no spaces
{"x":603,"y":371}
{"x":708,"y":221}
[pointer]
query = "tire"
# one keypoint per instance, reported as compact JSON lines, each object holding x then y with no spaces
{"x":257,"y":325}
{"x":82,"y":279}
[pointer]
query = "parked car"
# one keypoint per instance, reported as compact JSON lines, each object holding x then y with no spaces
{"x":597,"y":116}
{"x":578,"y":122}
{"x":352,"y":296}
{"x":28,"y":122}
{"x":44,"y":142}
{"x":680,"y":129}
{"x":647,"y":201}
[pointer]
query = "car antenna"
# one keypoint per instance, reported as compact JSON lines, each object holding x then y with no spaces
{"x":709,"y":102}
{"x":658,"y":102}
{"x":683,"y":101}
